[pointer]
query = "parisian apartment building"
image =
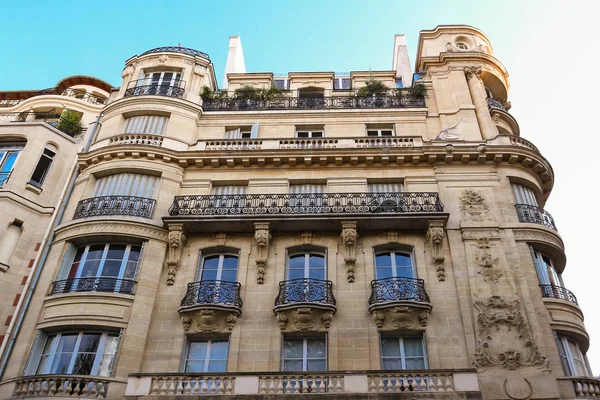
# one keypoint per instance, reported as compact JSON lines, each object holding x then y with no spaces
{"x":365,"y":235}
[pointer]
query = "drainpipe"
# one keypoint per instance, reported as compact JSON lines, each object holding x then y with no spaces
{"x":40,"y":260}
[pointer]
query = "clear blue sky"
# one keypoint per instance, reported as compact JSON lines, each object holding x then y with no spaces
{"x":548,"y":46}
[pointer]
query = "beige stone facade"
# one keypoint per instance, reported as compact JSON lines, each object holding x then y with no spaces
{"x":333,"y":236}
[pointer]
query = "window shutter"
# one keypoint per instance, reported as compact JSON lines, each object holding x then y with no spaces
{"x":541,"y":270}
{"x":126,"y":185}
{"x":254,"y":131}
{"x":524,"y":195}
{"x":229,"y":190}
{"x":153,"y":124}
{"x":67,"y":261}
{"x":137,"y":269}
{"x":386,"y":187}
{"x":35,"y":353}
{"x":307,"y":189}
{"x":233,"y":134}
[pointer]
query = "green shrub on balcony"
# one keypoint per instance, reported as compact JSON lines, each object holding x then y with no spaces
{"x":70,"y":123}
{"x":373,"y":87}
{"x":247,"y":92}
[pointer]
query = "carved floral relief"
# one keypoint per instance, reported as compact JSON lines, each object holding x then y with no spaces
{"x":474,"y":206}
{"x":488,"y":264}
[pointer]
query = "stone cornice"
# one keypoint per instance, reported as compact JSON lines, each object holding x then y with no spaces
{"x":144,"y":101}
{"x":76,"y":229}
{"x":466,"y":153}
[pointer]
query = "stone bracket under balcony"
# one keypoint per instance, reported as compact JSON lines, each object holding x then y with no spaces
{"x":211,"y":307}
{"x":399,"y":304}
{"x":305,"y":305}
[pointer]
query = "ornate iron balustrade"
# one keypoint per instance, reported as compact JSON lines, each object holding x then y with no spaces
{"x":220,"y":293}
{"x":305,"y":290}
{"x":558,"y":292}
{"x":115,"y":205}
{"x":315,"y":203}
{"x":51,"y":118}
{"x":394,"y":289}
{"x":310,"y":103}
{"x":535,"y":215}
{"x":94,"y":284}
{"x":177,"y":49}
{"x":495,"y":104}
{"x":143,"y":87}
{"x":4,"y":177}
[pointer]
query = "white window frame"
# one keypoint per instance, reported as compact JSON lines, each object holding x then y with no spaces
{"x":393,"y":260}
{"x":569,"y":357}
{"x":40,"y":182}
{"x":97,"y":358}
{"x":403,"y":357}
{"x":380,"y":131}
{"x":221,"y":256}
{"x":310,"y":134}
{"x":306,"y":255}
{"x":286,"y":82}
{"x":340,"y":82}
{"x":103,"y":261}
{"x":305,"y":358}
{"x":207,"y":359}
{"x":149,"y":78}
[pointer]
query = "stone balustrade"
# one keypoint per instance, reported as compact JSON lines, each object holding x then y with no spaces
{"x":282,"y":383}
{"x":584,"y":387}
{"x":136,"y":139}
{"x":61,"y":386}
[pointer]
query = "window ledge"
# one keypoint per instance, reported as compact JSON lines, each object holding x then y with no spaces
{"x":35,"y":189}
{"x":4,"y":267}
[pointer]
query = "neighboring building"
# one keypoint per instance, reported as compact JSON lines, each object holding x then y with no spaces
{"x":41,"y":133}
{"x":317,"y":232}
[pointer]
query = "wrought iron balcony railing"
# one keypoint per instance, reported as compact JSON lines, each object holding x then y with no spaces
{"x":53,"y":119}
{"x":305,"y":291}
{"x":315,"y":203}
{"x":94,"y":284}
{"x":78,"y":94}
{"x":177,"y":49}
{"x":394,"y":289}
{"x":535,"y":215}
{"x":115,"y":205}
{"x":558,"y":292}
{"x":314,"y":103}
{"x":217,"y":293}
{"x":4,"y":177}
{"x":144,"y":87}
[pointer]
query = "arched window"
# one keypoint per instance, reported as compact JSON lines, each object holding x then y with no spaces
{"x":8,"y":243}
{"x":218,"y":267}
{"x":306,"y":264}
{"x":394,"y":263}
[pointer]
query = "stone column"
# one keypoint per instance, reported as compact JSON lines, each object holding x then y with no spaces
{"x":477,"y":90}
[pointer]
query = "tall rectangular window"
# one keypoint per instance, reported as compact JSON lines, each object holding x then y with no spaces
{"x":304,"y":354}
{"x":307,"y":195}
{"x":206,"y":356}
{"x":524,"y":195}
{"x":403,"y":352}
{"x":386,"y":187}
{"x":152,"y":124}
{"x":571,"y":357}
{"x":8,"y":157}
{"x":43,"y":166}
{"x":126,"y":184}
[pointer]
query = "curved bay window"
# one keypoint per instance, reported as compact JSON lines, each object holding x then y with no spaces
{"x":573,"y":361}
{"x":551,"y":281}
{"x":73,"y":353}
{"x":99,"y":268}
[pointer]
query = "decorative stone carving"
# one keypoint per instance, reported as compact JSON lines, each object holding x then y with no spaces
{"x":263,"y":238}
{"x":209,"y":321}
{"x":393,"y":236}
{"x":488,"y":263}
{"x":349,"y":236}
{"x":529,"y":235}
{"x":475,"y":234}
{"x":176,"y":243}
{"x":474,"y":206}
{"x":401,"y":318}
{"x":133,"y":229}
{"x":306,"y":237}
{"x":305,"y":319}
{"x":451,"y":133}
{"x":504,"y":340}
{"x":221,"y":238}
{"x":473,"y":72}
{"x":127,"y":71}
{"x":163,"y":59}
{"x":435,"y":237}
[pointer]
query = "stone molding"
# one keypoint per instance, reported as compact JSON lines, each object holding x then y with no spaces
{"x":349,"y":237}
{"x":435,"y":237}
{"x":209,"y":321}
{"x":401,"y":316}
{"x":305,"y":319}
{"x":532,"y":235}
{"x":496,"y":347}
{"x":476,"y":234}
{"x":145,"y":101}
{"x":103,"y":227}
{"x":262,"y":236}
{"x":177,"y":240}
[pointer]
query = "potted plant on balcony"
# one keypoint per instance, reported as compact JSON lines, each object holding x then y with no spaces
{"x":70,"y":123}
{"x":206,"y":93}
{"x":373,"y":87}
{"x":247,"y":92}
{"x":272,"y":93}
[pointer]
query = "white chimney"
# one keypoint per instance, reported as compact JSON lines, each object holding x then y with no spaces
{"x":235,"y":59}
{"x":401,"y":63}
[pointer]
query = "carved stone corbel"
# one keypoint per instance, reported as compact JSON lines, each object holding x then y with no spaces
{"x":263,"y":238}
{"x":473,"y":72}
{"x":305,"y":319}
{"x":209,"y":321}
{"x":176,"y":242}
{"x":401,"y":318}
{"x":435,"y":237}
{"x":349,"y":236}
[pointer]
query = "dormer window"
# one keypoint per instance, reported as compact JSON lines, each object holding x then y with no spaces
{"x":342,"y":83}
{"x":282,"y":83}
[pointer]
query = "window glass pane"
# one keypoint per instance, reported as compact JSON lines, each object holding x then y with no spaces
{"x":391,"y":363}
{"x":316,"y":261}
{"x":230,"y":262}
{"x":316,"y":348}
{"x":372,"y":133}
{"x":229,"y":276}
{"x":316,"y":365}
{"x":217,"y":366}
{"x":415,"y":363}
{"x":386,"y":133}
{"x":211,"y":262}
{"x":413,"y":347}
{"x":219,"y":350}
{"x":197,"y":351}
{"x":390,"y":347}
{"x":67,"y":343}
{"x":292,"y":348}
{"x":404,"y":272}
{"x":108,"y":358}
{"x":39,"y":174}
{"x":83,"y":364}
{"x":292,"y":365}
{"x":317,"y":134}
{"x":383,"y":260}
{"x":111,"y":268}
{"x":403,"y":260}
{"x":302,"y":134}
{"x":89,"y":343}
{"x":61,"y":363}
{"x":116,"y":252}
{"x":134,"y":253}
{"x":194,"y":366}
{"x":296,"y":273}
{"x":384,"y":272}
